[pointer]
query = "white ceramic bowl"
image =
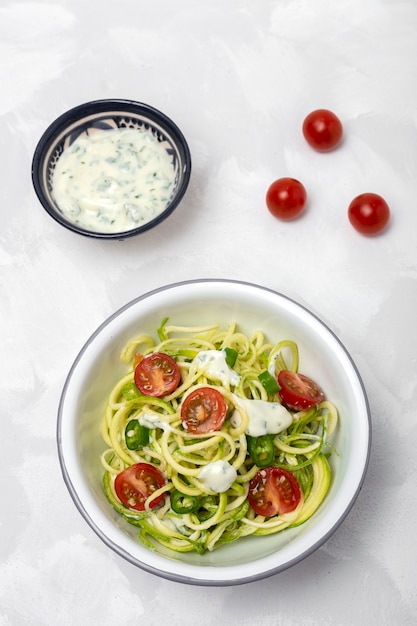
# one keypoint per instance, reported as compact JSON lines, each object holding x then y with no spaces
{"x":98,"y":367}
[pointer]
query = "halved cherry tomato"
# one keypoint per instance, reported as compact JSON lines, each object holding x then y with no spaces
{"x":369,"y":213}
{"x":286,"y":198}
{"x":322,"y":130}
{"x":157,"y":375}
{"x":203,"y":410}
{"x":298,"y":391}
{"x":136,"y":483}
{"x":273,"y":491}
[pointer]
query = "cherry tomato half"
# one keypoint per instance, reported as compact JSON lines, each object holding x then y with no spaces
{"x":136,"y":483}
{"x":286,"y":198}
{"x":369,"y":214}
{"x":203,"y":410}
{"x":322,"y":130}
{"x":298,"y":391}
{"x":157,"y":375}
{"x":273,"y":491}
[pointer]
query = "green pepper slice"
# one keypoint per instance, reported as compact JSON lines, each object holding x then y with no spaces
{"x":182,"y":503}
{"x":269,"y":383}
{"x":231,"y":356}
{"x":136,"y":435}
{"x":261,"y":450}
{"x":130,"y":391}
{"x":208,"y":507}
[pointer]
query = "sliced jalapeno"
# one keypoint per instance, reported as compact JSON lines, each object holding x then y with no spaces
{"x":261,"y":450}
{"x":208,"y":507}
{"x":269,"y":383}
{"x":182,"y":503}
{"x":231,"y":356}
{"x":130,"y":391}
{"x":136,"y":435}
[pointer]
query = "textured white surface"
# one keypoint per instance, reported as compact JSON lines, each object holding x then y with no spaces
{"x":238,"y":77}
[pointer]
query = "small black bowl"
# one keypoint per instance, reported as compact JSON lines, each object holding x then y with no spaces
{"x":108,"y":115}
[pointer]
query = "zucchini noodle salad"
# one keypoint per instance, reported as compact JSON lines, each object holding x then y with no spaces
{"x":213,"y":435}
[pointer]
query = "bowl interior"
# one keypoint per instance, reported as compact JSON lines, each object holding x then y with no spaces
{"x":98,"y":367}
{"x":105,"y":115}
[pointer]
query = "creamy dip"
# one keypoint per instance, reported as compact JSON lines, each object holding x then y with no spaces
{"x":264,"y":417}
{"x":113,"y":180}
{"x":215,"y":367}
{"x":218,"y":476}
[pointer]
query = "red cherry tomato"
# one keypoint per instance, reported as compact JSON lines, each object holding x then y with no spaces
{"x":298,"y":391}
{"x":322,"y":130}
{"x":157,"y":375}
{"x":273,"y":491}
{"x":286,"y":198}
{"x":369,"y":214}
{"x":136,"y":483}
{"x":203,"y":410}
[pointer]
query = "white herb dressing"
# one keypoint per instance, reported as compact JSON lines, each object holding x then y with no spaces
{"x":218,"y":476}
{"x":213,"y":363}
{"x":113,"y":180}
{"x":265,"y":418}
{"x":152,"y":420}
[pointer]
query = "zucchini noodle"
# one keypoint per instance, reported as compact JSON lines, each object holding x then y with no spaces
{"x":207,"y":515}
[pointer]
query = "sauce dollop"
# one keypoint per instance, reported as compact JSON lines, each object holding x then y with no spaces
{"x":113,"y":180}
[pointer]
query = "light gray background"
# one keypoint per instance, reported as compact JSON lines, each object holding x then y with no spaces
{"x":238,"y":77}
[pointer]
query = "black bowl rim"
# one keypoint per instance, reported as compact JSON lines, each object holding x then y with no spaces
{"x":103,"y":106}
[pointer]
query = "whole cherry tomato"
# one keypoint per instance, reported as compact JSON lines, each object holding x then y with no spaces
{"x":369,"y":214}
{"x":286,"y":198}
{"x":322,"y":130}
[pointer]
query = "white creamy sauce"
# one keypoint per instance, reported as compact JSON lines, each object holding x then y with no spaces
{"x":151,"y":420}
{"x":272,"y":365}
{"x":218,"y":476}
{"x":113,"y":180}
{"x":265,"y":418}
{"x":213,"y":363}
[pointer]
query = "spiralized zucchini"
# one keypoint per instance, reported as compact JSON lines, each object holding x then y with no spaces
{"x":214,"y":518}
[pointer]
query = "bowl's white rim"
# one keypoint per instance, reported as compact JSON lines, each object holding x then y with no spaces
{"x":203,"y":575}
